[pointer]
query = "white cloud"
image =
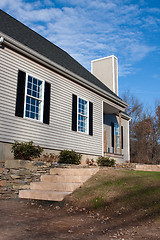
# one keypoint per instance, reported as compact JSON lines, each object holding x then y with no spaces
{"x":10,"y":5}
{"x":90,"y":29}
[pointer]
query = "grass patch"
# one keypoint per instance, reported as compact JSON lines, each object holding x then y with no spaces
{"x":98,"y":202}
{"x":134,"y":191}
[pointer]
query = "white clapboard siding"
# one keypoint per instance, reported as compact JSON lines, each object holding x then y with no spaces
{"x":58,"y":134}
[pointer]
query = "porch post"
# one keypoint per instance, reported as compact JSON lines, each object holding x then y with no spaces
{"x":120,"y":133}
{"x":105,"y":142}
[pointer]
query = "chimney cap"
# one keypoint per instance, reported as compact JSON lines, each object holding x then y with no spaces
{"x":111,"y":56}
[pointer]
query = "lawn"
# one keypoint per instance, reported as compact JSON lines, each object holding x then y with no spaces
{"x":129,"y":192}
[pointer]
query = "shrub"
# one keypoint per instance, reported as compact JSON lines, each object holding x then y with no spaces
{"x":106,"y":161}
{"x":25,"y":150}
{"x":69,"y":157}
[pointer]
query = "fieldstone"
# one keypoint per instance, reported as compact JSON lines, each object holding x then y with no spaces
{"x":22,"y":181}
{"x":2,"y":164}
{"x":38,"y":163}
{"x":25,"y":186}
{"x":17,"y":164}
{"x":3,"y":183}
{"x":16,"y":181}
{"x":12,"y":164}
{"x":37,"y":174}
{"x":28,"y":165}
{"x":15,"y":176}
{"x":48,"y":164}
{"x":1,"y":170}
{"x":5,"y":171}
{"x":24,"y":172}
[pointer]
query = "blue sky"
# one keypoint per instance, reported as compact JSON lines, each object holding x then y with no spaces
{"x":92,"y":29}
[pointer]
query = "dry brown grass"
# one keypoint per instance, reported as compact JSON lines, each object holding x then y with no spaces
{"x":112,"y":190}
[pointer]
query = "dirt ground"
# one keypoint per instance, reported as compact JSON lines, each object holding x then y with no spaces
{"x":42,"y":220}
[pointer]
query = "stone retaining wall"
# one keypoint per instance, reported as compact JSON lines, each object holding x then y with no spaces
{"x":17,"y":174}
{"x":148,"y":167}
{"x":126,"y":166}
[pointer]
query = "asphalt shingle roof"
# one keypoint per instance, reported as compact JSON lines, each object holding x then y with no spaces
{"x":21,"y":33}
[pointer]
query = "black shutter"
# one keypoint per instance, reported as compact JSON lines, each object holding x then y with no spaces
{"x":46,"y":111}
{"x":20,"y":94}
{"x":122,"y":137}
{"x":112,"y":133}
{"x":91,"y":118}
{"x":74,"y":112}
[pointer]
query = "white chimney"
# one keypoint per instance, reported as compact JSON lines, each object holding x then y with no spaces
{"x":106,"y":70}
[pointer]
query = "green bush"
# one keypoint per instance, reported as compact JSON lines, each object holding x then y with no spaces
{"x":106,"y":161}
{"x":69,"y":157}
{"x":25,"y":150}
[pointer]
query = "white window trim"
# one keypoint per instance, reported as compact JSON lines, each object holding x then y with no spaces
{"x":87,"y":132}
{"x":42,"y":103}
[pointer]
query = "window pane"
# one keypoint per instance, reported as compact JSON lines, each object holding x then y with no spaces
{"x":37,"y":103}
{"x":39,"y":83}
{"x":33,"y":101}
{"x":29,"y":79}
{"x":27,"y":113}
{"x":35,"y":81}
{"x":34,"y":94}
{"x":28,"y":99}
{"x":32,"y":115}
{"x":32,"y":108}
{"x":29,"y":85}
{"x":28,"y":91}
{"x":27,"y":107}
{"x":34,"y":87}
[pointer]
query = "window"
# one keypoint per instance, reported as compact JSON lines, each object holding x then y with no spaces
{"x":34,"y":98}
{"x":117,"y":134}
{"x":82,"y":115}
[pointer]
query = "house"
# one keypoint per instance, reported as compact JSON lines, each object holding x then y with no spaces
{"x":48,"y":97}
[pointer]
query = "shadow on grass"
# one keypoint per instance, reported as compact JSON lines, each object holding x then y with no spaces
{"x":136,"y":195}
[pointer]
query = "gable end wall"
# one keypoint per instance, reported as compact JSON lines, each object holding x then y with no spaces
{"x":58,"y":134}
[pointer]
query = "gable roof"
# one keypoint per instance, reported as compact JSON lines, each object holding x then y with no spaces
{"x":26,"y":36}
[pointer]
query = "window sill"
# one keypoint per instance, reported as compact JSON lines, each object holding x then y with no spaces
{"x":31,"y":120}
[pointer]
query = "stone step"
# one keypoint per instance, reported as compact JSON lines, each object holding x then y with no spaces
{"x":74,"y":171}
{"x":61,"y":187}
{"x":64,"y":178}
{"x":61,"y":182}
{"x":43,"y":195}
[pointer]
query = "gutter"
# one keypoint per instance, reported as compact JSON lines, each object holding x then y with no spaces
{"x":18,"y":47}
{"x":126,"y":116}
{"x":1,"y":41}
